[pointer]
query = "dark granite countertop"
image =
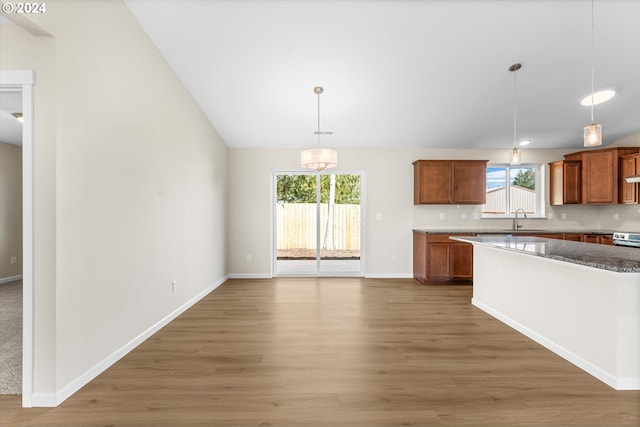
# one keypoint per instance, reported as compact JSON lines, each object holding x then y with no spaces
{"x":509,"y":231}
{"x":605,"y":257}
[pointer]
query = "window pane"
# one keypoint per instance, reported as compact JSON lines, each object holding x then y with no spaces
{"x":496,"y":190}
{"x":523,"y":189}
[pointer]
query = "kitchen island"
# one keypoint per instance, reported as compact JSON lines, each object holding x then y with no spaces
{"x":579,"y":300}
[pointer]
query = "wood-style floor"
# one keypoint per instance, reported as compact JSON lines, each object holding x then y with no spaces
{"x":337,"y":352}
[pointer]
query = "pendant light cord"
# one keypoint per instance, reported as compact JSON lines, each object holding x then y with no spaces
{"x":319,"y":92}
{"x":515,"y":110}
{"x":593,"y":57}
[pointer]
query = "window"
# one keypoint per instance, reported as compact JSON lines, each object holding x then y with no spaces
{"x":510,"y":188}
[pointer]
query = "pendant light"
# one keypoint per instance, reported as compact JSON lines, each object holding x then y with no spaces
{"x":516,"y":155}
{"x":593,"y":132}
{"x":319,"y":158}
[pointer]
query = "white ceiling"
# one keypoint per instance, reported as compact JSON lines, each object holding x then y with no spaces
{"x":401,"y":73}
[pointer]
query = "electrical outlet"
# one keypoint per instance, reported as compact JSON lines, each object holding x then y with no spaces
{"x":464,"y":216}
{"x":378,"y":216}
{"x":615,"y":216}
{"x":394,"y":257}
{"x":564,"y":215}
{"x":248,"y":258}
{"x":173,"y":286}
{"x":442,"y":216}
{"x":14,"y":260}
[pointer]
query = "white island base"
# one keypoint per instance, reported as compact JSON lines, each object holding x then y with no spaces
{"x":589,"y":316}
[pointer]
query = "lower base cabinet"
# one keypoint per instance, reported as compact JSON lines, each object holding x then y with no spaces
{"x":438,"y":259}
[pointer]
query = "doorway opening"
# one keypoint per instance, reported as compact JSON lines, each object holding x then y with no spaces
{"x":21,"y":81}
{"x":318,"y":221}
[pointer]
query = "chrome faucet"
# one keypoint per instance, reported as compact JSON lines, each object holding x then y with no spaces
{"x":515,"y":218}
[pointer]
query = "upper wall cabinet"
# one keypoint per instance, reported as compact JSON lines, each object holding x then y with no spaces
{"x":599,"y":174}
{"x":452,"y":182}
{"x":629,"y":165}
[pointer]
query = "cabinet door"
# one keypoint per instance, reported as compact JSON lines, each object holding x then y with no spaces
{"x":433,"y":182}
{"x":576,"y":237}
{"x":438,"y":261}
{"x":564,"y":187}
{"x":571,"y":187}
{"x":470,"y":182}
{"x":628,"y":191}
{"x":600,"y":186}
{"x":606,"y":239}
{"x":591,"y":238}
{"x":461,"y":258}
{"x":420,"y":256}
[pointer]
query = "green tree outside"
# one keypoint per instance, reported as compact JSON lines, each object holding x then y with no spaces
{"x":302,"y":189}
{"x":525,"y":178}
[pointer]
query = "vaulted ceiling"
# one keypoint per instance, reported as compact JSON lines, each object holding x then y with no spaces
{"x":402,"y":73}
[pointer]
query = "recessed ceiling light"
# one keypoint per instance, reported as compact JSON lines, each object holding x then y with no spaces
{"x":525,"y":142}
{"x":598,"y":97}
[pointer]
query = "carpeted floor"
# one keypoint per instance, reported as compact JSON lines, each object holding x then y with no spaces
{"x":11,"y":338}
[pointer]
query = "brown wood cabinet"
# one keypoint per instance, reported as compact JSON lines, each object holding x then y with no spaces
{"x":420,"y":256}
{"x":576,"y":237}
{"x":602,"y":239}
{"x":453,"y":182}
{"x":606,"y":239}
{"x":438,"y":259}
{"x":629,"y":165}
{"x":565,"y":182}
{"x":599,"y":174}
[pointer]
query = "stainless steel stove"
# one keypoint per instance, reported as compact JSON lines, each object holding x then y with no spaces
{"x":627,"y":239}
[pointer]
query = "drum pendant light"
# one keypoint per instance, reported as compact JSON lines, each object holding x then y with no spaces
{"x":319,"y":158}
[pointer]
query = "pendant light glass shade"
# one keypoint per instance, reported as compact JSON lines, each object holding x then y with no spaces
{"x":516,"y":156}
{"x":592,"y":135}
{"x":319,"y":158}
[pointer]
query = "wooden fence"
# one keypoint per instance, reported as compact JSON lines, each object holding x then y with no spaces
{"x":296,"y":226}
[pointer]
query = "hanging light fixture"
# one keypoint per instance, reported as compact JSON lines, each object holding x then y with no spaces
{"x":319,"y":158}
{"x":593,"y":132}
{"x":516,"y":155}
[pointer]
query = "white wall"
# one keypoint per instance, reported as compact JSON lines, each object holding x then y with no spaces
{"x":389,"y":191}
{"x":140,"y":187}
{"x":24,"y":51}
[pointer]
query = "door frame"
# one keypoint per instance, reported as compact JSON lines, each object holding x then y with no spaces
{"x":23,"y":80}
{"x":363,"y":222}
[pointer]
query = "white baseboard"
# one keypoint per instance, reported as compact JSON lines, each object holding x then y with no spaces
{"x":604,"y":376}
{"x":10,"y":279}
{"x":249,"y":276}
{"x":44,"y":400}
{"x":389,"y":276}
{"x":65,"y":392}
{"x":366,"y":276}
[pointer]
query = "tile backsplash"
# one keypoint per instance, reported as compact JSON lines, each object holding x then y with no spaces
{"x":567,"y":217}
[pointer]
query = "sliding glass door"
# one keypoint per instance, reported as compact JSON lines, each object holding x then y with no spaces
{"x":317,"y":223}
